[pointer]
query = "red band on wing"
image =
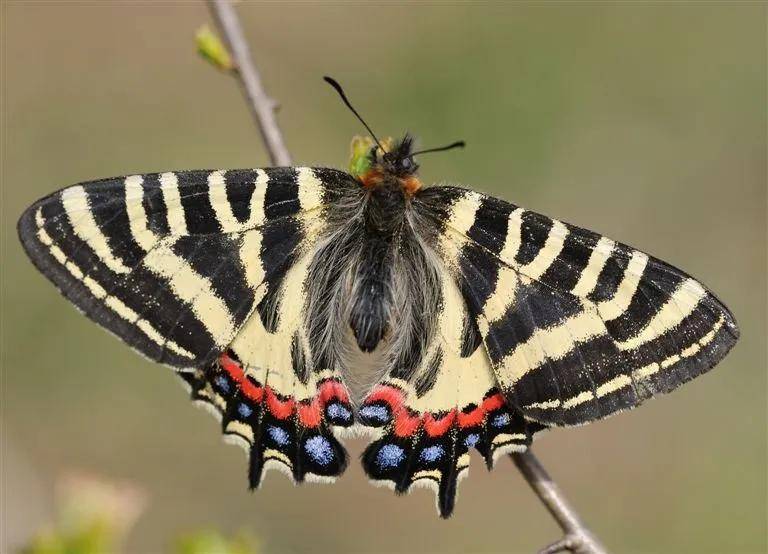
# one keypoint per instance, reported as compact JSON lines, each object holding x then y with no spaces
{"x":407,"y":422}
{"x":310,"y":414}
{"x":470,"y":419}
{"x":331,"y":389}
{"x":436,"y":427}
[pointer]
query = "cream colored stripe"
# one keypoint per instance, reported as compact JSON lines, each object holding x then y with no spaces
{"x":194,"y":289}
{"x":546,"y":405}
{"x":505,"y":437}
{"x":217,"y":194}
{"x":578,"y":399}
{"x":514,"y":236}
{"x":272,"y":454}
{"x":463,"y":461}
{"x":623,"y":380}
{"x":503,"y":295}
{"x":250,"y":256}
{"x":115,"y":304}
{"x":137,"y":216}
{"x":434,"y":474}
{"x":646,"y":371}
{"x":241,"y":429}
{"x":293,"y":289}
{"x":618,"y":382}
{"x":169,"y":185}
{"x":256,"y":213}
{"x":552,"y":343}
{"x":588,"y":279}
{"x":310,"y":189}
{"x":613,"y":308}
{"x":463,"y":212}
{"x":460,"y":220}
{"x":75,"y":202}
{"x":548,"y":253}
{"x":679,"y":306}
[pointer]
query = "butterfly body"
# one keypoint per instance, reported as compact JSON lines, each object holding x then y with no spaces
{"x":484,"y":322}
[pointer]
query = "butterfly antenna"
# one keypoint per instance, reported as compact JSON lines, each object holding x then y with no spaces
{"x":457,"y":144}
{"x":338,"y":88}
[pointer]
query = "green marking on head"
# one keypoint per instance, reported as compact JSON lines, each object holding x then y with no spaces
{"x":360,"y":154}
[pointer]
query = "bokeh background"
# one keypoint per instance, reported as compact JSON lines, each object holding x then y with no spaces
{"x":646,"y":122}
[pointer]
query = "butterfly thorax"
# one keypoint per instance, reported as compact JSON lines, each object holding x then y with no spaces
{"x":384,"y":211}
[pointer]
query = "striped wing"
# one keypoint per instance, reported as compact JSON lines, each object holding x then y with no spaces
{"x":433,"y":417}
{"x":576,"y":326}
{"x":174,"y":263}
{"x":270,"y":397}
{"x":205,"y":271}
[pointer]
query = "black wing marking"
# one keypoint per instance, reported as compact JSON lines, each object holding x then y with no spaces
{"x":577,"y":326}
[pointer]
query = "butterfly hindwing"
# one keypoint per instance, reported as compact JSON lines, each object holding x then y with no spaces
{"x":270,"y":397}
{"x":576,"y":326}
{"x":431,"y":418}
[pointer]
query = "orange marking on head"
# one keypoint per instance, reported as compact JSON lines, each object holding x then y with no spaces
{"x":411,"y":185}
{"x":371,"y":178}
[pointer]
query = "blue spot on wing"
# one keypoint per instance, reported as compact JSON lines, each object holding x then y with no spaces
{"x":376,"y":413}
{"x":222,"y":383}
{"x":471,"y":440}
{"x":432,"y":453}
{"x":337,"y":411}
{"x":280,"y":436}
{"x":390,"y":455}
{"x":244,"y":410}
{"x":319,"y":449}
{"x":500,"y":420}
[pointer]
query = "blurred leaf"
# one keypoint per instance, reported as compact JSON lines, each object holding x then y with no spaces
{"x":210,"y":47}
{"x":93,"y":517}
{"x":212,"y":542}
{"x":360,"y":149}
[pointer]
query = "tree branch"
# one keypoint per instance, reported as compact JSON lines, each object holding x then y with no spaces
{"x":262,"y":106}
{"x":578,"y":539}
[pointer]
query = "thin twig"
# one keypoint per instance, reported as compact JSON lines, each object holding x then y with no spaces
{"x":262,"y":106}
{"x":578,"y":539}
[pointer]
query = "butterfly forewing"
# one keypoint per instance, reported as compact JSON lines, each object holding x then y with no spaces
{"x":576,"y":326}
{"x":172,"y":263}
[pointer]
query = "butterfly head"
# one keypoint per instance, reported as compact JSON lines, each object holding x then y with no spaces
{"x":385,"y":162}
{"x":398,"y":161}
{"x":394,"y":164}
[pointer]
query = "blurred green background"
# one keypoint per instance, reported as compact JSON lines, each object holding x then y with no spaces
{"x":646,"y":122}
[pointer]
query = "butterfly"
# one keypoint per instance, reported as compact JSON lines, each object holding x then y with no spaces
{"x":480,"y":323}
